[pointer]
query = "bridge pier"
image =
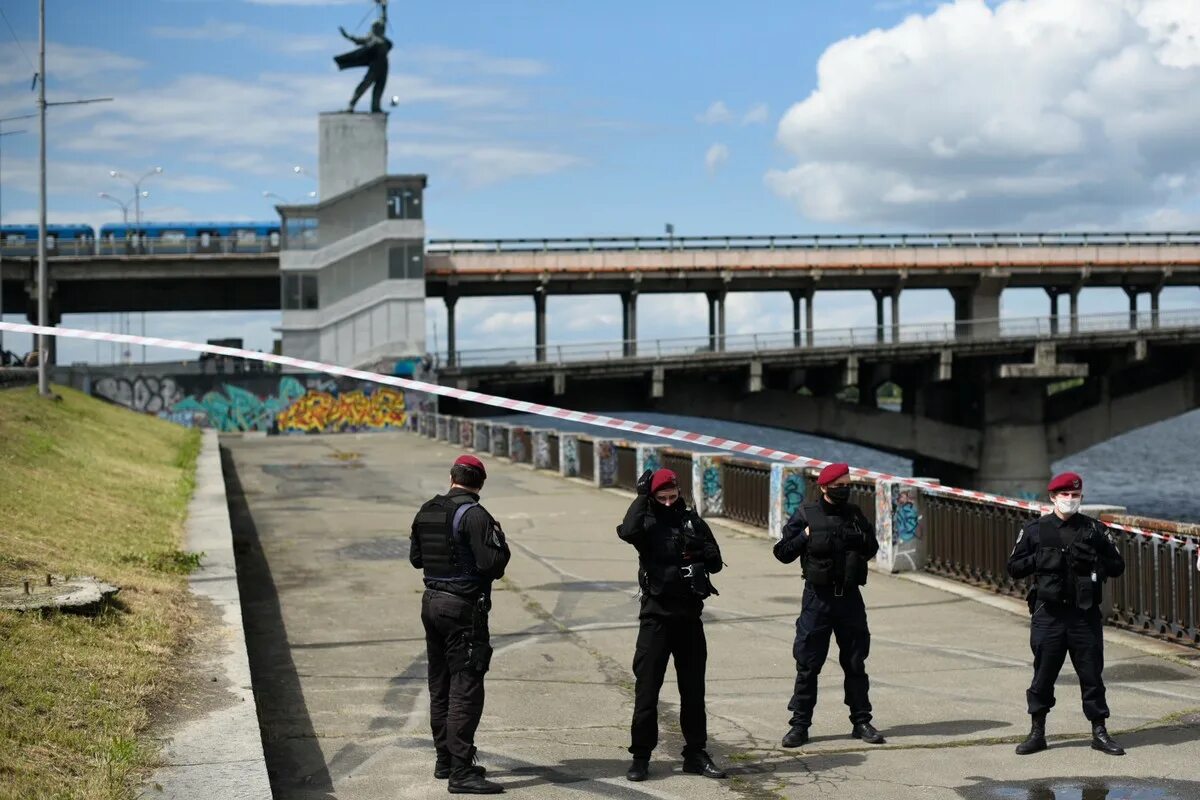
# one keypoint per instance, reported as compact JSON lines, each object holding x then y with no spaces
{"x":1053,"y":292}
{"x":716,"y":320}
{"x":629,"y":322}
{"x":1073,"y":294}
{"x":1132,"y":293}
{"x":451,"y":330}
{"x":805,"y":295}
{"x":978,"y":302}
{"x":893,"y":294}
{"x":539,"y":323}
{"x":53,"y":317}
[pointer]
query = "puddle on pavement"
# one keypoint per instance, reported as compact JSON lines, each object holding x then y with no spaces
{"x":1083,"y":789}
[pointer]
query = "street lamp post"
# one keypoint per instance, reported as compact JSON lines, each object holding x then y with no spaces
{"x":137,"y":197}
{"x":2,"y":135}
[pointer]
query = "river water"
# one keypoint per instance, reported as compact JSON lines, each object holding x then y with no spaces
{"x":1151,"y":471}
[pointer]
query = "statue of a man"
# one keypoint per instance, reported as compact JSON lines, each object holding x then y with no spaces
{"x":371,"y":53}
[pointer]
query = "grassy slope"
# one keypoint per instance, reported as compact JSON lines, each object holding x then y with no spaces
{"x":88,"y":488}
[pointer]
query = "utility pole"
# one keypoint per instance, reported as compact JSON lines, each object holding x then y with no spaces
{"x":42,"y":281}
{"x":2,"y":135}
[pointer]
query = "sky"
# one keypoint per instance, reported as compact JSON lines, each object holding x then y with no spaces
{"x":535,"y":118}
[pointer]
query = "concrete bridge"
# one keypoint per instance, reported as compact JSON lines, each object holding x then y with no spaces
{"x":987,"y":405}
{"x":974,"y":267}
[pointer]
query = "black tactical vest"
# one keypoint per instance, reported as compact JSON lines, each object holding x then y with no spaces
{"x":1060,"y":577}
{"x":836,"y":543}
{"x":445,"y":553}
{"x":661,"y":562}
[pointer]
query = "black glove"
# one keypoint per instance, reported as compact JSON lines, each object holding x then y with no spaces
{"x":643,"y":483}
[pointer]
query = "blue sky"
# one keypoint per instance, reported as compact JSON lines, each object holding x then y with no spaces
{"x":537,"y":118}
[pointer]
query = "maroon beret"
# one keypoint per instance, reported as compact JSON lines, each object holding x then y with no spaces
{"x":662,"y":479}
{"x":1066,"y":482}
{"x":832,"y":473}
{"x":470,"y":461}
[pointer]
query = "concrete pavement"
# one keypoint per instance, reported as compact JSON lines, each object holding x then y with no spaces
{"x":337,"y":653}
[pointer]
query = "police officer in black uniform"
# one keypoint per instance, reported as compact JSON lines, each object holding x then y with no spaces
{"x":461,"y":548}
{"x":834,"y":542}
{"x":676,"y":554}
{"x":1069,"y":556}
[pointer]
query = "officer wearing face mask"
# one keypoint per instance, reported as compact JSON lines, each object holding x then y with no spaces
{"x":1069,"y":555}
{"x":676,"y":554}
{"x":834,"y":542}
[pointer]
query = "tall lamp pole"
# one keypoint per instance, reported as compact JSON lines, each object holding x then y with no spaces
{"x":137,"y":195}
{"x":42,"y":287}
{"x":2,"y":135}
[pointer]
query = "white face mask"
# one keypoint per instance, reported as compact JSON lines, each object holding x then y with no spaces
{"x":1067,"y":505}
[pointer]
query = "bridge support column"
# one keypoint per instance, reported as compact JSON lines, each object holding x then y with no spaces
{"x":53,"y":317}
{"x":1073,"y":294}
{"x":808,"y":316}
{"x":1053,"y":292}
{"x":1132,"y":292}
{"x":796,"y":297}
{"x":879,"y":295}
{"x":977,"y":308}
{"x":1154,"y":293}
{"x":629,"y":323}
{"x":896,"y":314}
{"x":539,"y":323}
{"x":716,"y":320}
{"x":451,"y":331}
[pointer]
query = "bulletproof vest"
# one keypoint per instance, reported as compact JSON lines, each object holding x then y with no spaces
{"x":1060,"y":576}
{"x":446,"y":553}
{"x":836,"y":543}
{"x":662,"y":561}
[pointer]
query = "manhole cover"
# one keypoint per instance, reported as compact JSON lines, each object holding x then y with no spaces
{"x":376,"y":550}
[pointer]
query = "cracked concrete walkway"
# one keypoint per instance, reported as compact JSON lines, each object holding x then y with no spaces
{"x":336,"y":648}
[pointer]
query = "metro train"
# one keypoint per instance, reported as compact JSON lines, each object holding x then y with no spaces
{"x":151,"y":238}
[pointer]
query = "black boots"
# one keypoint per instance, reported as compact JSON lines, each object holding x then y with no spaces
{"x":797,"y":736}
{"x":1103,"y":742}
{"x":1036,"y":740}
{"x":699,"y":763}
{"x":467,"y":778}
{"x":866,"y":731}
{"x":638,"y":770}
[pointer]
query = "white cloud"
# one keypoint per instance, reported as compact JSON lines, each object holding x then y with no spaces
{"x":304,"y":2}
{"x":756,"y":115}
{"x":1034,"y":112}
{"x":64,"y":63}
{"x":715,"y":157}
{"x":715,"y":114}
{"x":217,"y":31}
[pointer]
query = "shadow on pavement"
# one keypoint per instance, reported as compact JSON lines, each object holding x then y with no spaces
{"x":295,"y":764}
{"x":954,"y":727}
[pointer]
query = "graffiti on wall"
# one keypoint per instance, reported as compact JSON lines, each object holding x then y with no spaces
{"x":265,"y":402}
{"x":147,"y":393}
{"x":483,"y":437}
{"x":714,"y":497}
{"x":541,"y":450}
{"x":568,"y":455}
{"x":518,"y":445}
{"x":356,"y":411}
{"x":605,"y":469}
{"x":500,"y":440}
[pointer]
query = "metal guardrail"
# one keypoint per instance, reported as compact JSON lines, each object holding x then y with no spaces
{"x":681,"y":464}
{"x":970,"y":540}
{"x":866,"y":336}
{"x":812,"y":241}
{"x":747,"y":491}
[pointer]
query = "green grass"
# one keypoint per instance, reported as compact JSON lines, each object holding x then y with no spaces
{"x":89,"y":489}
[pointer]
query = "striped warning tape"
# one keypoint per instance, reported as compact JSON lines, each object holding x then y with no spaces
{"x":539,"y":409}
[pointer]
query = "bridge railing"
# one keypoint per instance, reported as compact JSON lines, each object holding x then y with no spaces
{"x":811,"y":241}
{"x":867,"y":336}
{"x":919,"y":528}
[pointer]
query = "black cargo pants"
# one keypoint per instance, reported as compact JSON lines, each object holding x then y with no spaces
{"x":456,"y":643}
{"x":842,"y":614}
{"x":661,"y":637}
{"x":1054,"y":632}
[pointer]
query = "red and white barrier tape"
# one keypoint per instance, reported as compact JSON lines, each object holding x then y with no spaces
{"x":522,"y":406}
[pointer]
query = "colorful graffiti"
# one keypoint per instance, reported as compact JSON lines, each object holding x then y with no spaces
{"x":714,"y":496}
{"x":326,"y":412}
{"x":518,"y":445}
{"x":541,"y":450}
{"x":568,"y":455}
{"x":264,"y":402}
{"x":232,"y":408}
{"x":605,"y":455}
{"x":500,"y":440}
{"x":906,"y":521}
{"x":900,"y":527}
{"x":483,"y":437}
